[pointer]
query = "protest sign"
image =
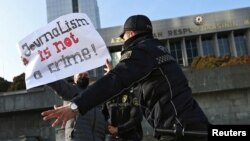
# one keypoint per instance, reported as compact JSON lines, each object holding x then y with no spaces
{"x":64,"y":47}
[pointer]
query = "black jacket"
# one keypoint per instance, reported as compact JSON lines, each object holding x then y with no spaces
{"x":159,"y":83}
{"x":124,"y":113}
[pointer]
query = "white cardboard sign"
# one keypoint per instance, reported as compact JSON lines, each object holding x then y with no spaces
{"x":64,"y":47}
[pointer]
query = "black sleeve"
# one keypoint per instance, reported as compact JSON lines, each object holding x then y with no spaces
{"x":126,"y":73}
{"x":64,"y":89}
{"x":135,"y":119}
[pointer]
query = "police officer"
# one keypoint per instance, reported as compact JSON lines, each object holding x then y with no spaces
{"x":159,"y":82}
{"x":124,"y":117}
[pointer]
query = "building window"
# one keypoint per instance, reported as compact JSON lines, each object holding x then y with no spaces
{"x":223,"y":43}
{"x":240,"y":44}
{"x":175,"y":50}
{"x":207,"y":46}
{"x":191,"y":48}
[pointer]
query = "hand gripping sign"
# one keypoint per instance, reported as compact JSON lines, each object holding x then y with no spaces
{"x":64,"y":47}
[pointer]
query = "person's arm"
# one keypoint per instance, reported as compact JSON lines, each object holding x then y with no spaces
{"x":64,"y":89}
{"x":132,"y":68}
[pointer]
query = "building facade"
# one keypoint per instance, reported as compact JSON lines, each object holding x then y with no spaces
{"x":57,"y":8}
{"x":218,"y":33}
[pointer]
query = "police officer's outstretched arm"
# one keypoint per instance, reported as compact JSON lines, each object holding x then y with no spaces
{"x":134,"y":66}
{"x":131,"y":69}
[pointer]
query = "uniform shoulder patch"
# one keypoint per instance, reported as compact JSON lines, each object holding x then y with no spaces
{"x":126,"y":55}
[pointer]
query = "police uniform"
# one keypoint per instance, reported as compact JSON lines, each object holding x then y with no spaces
{"x":124,"y":113}
{"x":159,"y":82}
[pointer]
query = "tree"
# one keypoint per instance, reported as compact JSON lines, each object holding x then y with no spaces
{"x":18,"y":83}
{"x":4,"y":85}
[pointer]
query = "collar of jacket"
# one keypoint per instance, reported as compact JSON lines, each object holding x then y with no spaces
{"x":136,"y":39}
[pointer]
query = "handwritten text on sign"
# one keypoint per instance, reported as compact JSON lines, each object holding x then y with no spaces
{"x":66,"y":46}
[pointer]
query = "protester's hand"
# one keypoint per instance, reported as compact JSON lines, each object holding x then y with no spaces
{"x":61,"y":114}
{"x":25,"y":61}
{"x":108,"y":67}
{"x":112,"y":130}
